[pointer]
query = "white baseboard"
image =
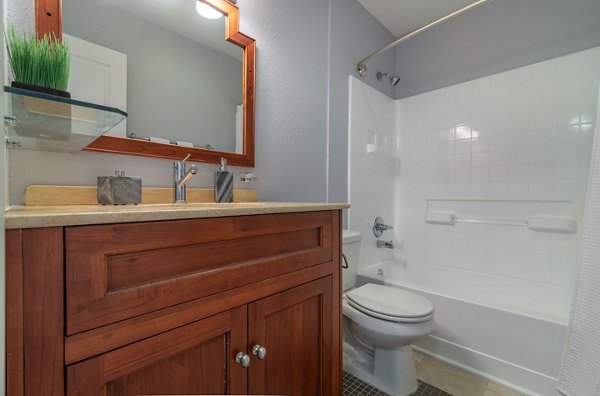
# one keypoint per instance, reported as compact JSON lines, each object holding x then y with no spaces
{"x":508,"y":374}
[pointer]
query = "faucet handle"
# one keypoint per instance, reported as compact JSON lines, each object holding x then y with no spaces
{"x":379,"y":227}
{"x":186,"y":158}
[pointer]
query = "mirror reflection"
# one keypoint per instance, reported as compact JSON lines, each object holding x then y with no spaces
{"x":168,"y":67}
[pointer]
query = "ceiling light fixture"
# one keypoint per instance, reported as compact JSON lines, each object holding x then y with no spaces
{"x":207,"y":11}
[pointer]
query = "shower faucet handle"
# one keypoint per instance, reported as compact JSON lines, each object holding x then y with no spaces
{"x":379,"y":227}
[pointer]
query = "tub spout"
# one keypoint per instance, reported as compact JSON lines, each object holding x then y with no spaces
{"x":385,"y":244}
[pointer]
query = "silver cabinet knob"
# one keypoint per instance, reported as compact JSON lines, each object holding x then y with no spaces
{"x":259,"y":351}
{"x":242,"y":359}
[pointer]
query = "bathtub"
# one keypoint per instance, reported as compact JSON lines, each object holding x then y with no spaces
{"x":518,"y":349}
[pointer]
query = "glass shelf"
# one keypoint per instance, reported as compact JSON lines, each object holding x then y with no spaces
{"x":39,"y":121}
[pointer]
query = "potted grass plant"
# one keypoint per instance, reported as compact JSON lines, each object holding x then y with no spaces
{"x":39,"y":64}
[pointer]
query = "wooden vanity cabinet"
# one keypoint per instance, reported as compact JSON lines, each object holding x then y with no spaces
{"x":165,"y":307}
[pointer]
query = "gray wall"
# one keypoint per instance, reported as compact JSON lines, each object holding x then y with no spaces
{"x":291,"y":123}
{"x":177,"y":88}
{"x":291,"y":96}
{"x":499,"y":36}
{"x":18,"y":11}
{"x":355,"y":33}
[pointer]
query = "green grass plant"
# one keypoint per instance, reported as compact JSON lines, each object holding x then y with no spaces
{"x":43,"y":62}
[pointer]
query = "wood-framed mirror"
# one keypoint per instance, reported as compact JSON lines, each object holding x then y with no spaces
{"x":49,"y":20}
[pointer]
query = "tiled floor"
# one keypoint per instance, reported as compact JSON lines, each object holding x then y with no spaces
{"x":436,"y":378}
{"x":355,"y":387}
{"x":456,"y":381}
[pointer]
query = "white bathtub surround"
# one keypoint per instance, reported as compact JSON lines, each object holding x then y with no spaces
{"x":516,"y":144}
{"x":581,"y":361}
{"x":372,"y":166}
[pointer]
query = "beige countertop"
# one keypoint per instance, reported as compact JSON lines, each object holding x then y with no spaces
{"x":52,"y":216}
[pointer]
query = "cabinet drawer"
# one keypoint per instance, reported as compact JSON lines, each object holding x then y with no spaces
{"x":115,"y":272}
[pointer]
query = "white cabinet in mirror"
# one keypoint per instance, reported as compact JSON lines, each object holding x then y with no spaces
{"x":168,"y":67}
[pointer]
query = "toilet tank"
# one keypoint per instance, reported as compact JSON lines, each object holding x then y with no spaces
{"x":351,"y":249}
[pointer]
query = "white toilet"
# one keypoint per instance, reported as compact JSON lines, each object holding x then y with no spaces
{"x":380,"y":323}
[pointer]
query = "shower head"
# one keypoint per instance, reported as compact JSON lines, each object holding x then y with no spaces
{"x":394,"y":80}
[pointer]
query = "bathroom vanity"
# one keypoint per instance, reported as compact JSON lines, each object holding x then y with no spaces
{"x":204,"y":299}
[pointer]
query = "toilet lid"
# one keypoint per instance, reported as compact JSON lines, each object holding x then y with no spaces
{"x":390,"y":302}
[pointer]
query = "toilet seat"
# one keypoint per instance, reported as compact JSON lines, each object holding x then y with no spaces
{"x":390,"y":303}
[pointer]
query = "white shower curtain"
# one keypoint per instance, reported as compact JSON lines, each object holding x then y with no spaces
{"x":580,"y":371}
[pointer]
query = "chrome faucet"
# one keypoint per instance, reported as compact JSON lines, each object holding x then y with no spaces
{"x":180,"y":179}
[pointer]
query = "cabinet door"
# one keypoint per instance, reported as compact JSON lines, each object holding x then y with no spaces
{"x":295,"y":327}
{"x":198,"y":358}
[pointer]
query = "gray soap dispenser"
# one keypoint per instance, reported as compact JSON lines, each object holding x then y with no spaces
{"x":223,"y":183}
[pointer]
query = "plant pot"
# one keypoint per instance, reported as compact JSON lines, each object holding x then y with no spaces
{"x":37,"y":88}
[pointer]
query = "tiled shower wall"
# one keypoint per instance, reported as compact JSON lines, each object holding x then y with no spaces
{"x":521,"y":135}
